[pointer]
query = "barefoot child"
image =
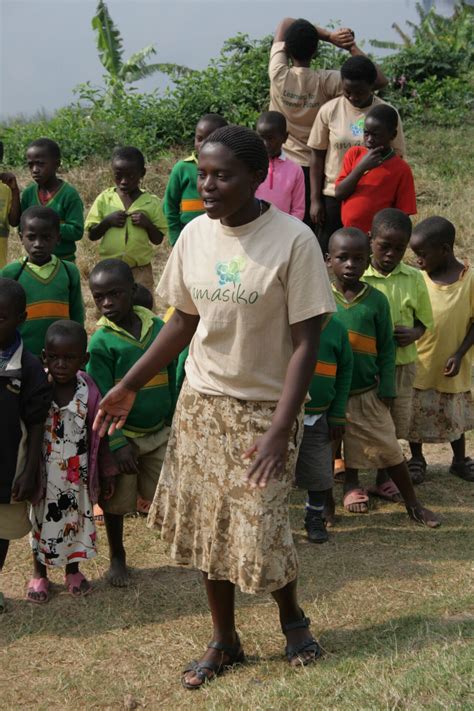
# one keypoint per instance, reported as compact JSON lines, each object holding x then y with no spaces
{"x":369,"y":437}
{"x":63,"y":532}
{"x":284,"y":184}
{"x":43,"y":157}
{"x":127,"y":220}
{"x":442,"y":405}
{"x":52,"y":286}
{"x":325,"y":416}
{"x":9,"y":209}
{"x":411,"y":313}
{"x":372,"y":176}
{"x":125,"y":333}
{"x":25,"y":396}
{"x":182,"y":202}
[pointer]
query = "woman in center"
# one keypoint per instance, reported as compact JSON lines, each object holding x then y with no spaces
{"x":250,"y":291}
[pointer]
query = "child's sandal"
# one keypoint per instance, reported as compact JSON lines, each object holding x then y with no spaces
{"x":77,"y":584}
{"x":464,"y":470}
{"x":37,"y":591}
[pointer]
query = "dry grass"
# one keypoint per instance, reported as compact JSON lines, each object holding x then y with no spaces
{"x":391,"y":603}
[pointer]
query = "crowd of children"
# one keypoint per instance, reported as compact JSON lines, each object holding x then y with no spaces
{"x":393,"y":359}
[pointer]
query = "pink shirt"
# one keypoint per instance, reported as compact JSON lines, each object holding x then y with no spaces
{"x":284,"y":186}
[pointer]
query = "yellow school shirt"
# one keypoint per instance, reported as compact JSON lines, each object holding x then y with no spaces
{"x":408,"y":299}
{"x":129,"y":243}
{"x":453,"y":311}
{"x":338,"y":127}
{"x":298,"y":93}
{"x":5,"y":204}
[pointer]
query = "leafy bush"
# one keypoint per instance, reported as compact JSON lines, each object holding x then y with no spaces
{"x":431,"y":82}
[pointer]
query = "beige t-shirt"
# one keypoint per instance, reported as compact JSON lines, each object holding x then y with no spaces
{"x":298,"y":93}
{"x":247,"y":284}
{"x":339,"y":125}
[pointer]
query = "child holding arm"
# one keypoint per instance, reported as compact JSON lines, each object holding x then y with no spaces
{"x":442,"y":402}
{"x":10,"y":209}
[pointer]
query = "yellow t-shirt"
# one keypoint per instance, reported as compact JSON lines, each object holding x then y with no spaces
{"x":298,"y":93}
{"x":129,"y":243}
{"x":5,"y":204}
{"x":339,"y":125}
{"x":248,"y":284}
{"x":453,"y":311}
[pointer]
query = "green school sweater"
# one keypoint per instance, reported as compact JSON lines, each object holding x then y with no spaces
{"x":48,"y":299}
{"x":331,"y":382}
{"x":113,"y":351}
{"x":369,"y":325}
{"x":68,"y":204}
{"x":182,"y":202}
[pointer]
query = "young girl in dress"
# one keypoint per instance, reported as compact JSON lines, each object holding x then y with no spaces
{"x":239,"y":279}
{"x":63,"y":530}
{"x":442,"y":405}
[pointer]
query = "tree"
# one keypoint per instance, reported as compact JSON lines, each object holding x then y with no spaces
{"x":119,"y":71}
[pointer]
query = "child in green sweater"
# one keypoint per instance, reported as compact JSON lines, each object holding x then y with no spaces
{"x":369,"y":436}
{"x":125,"y":333}
{"x":325,"y":416}
{"x":52,"y":286}
{"x":43,"y":157}
{"x":182,"y":202}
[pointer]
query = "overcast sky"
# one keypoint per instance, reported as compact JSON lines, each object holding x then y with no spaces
{"x":47,"y":47}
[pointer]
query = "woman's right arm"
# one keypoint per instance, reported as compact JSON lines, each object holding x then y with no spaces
{"x":175,"y":335}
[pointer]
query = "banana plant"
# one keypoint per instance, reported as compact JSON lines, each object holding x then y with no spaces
{"x":119,"y":71}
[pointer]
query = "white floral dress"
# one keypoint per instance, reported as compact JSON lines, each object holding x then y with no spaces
{"x":63,"y":529}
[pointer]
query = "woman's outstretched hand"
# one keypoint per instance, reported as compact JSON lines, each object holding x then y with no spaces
{"x":269,"y":455}
{"x":113,"y":410}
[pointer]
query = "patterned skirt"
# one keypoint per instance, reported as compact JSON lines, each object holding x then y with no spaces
{"x":440,"y":417}
{"x":205,"y":511}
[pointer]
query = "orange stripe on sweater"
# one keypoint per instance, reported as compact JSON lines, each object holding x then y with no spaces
{"x":328,"y":369}
{"x":362,"y":344}
{"x":191,"y":205}
{"x":47,"y":309}
{"x":160,"y":379}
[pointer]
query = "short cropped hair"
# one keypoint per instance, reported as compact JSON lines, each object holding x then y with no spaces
{"x":214,"y":120}
{"x":359,"y":68}
{"x":274,"y":119}
{"x":350,"y":233}
{"x":391,"y":219}
{"x":47,"y":144}
{"x":14,"y":293}
{"x":245,"y":144}
{"x":301,"y":40}
{"x":67,"y":329}
{"x":115,"y":267}
{"x":41,"y":213}
{"x":437,"y":230}
{"x":386,"y":115}
{"x":130,"y":154}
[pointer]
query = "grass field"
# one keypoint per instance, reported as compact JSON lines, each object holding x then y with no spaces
{"x":391,"y":603}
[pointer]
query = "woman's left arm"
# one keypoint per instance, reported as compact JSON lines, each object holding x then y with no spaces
{"x":269,"y":451}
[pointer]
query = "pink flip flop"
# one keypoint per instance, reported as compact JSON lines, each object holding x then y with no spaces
{"x":356,"y":496}
{"x":73,"y":582}
{"x":388,"y":491}
{"x":38,"y":585}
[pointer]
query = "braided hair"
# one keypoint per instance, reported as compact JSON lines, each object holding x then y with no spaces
{"x":245,"y":144}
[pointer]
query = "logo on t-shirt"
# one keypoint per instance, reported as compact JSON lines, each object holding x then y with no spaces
{"x":229,"y":272}
{"x":357,"y":128}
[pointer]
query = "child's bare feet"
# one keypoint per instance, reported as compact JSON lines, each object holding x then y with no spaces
{"x":423,"y":516}
{"x":118,"y":574}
